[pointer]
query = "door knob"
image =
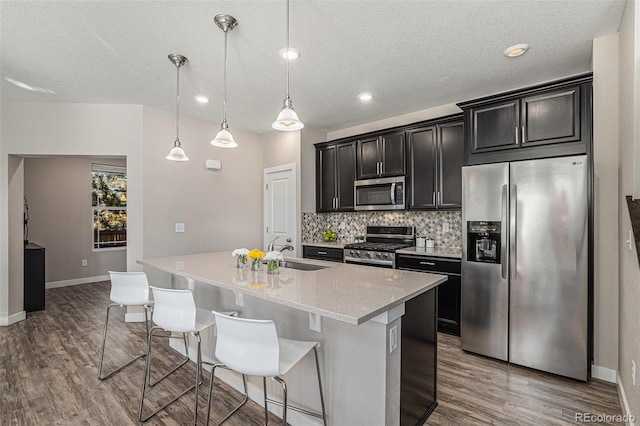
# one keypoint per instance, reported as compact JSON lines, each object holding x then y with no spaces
{"x":288,"y":240}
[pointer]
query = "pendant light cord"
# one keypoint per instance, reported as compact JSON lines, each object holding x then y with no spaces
{"x":177,"y":105}
{"x":224,"y":103}
{"x":287,"y":48}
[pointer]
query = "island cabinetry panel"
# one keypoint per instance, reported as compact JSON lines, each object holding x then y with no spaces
{"x":435,"y":157}
{"x":448,"y":292}
{"x":323,"y":253}
{"x":34,"y":261}
{"x":381,"y":155}
{"x":335,"y":174}
{"x":543,"y":121}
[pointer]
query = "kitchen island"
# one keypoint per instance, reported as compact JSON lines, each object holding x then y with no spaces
{"x":355,"y":312}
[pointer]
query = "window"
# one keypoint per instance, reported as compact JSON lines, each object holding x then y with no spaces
{"x":109,"y":206}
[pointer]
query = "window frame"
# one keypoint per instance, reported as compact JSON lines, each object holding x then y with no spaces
{"x":95,"y":209}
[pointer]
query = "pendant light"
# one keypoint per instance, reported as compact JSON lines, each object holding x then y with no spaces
{"x":177,"y":153}
{"x":224,"y":139}
{"x":287,"y":119}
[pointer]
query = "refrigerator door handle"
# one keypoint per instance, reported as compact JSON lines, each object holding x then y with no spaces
{"x":513,"y":225}
{"x":504,"y":212}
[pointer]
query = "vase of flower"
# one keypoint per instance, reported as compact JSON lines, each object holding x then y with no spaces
{"x":241,"y":257}
{"x":256,"y":259}
{"x":273,"y":258}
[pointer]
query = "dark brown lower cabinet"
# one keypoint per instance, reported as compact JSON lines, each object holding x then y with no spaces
{"x":323,"y":253}
{"x":33,"y":277}
{"x":448,"y":292}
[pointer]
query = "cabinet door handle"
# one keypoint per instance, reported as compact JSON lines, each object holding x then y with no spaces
{"x":523,"y":135}
{"x":433,"y":198}
{"x":517,"y":141}
{"x":439,"y":197}
{"x":322,"y":252}
{"x":428,"y":263}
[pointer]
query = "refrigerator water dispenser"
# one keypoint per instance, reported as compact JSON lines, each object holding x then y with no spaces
{"x":483,"y":239}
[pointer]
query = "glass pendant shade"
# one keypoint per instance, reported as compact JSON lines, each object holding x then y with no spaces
{"x":287,"y":120}
{"x":177,"y":154}
{"x":224,"y":139}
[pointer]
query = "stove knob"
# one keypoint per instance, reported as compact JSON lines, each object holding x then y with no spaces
{"x":357,"y":253}
{"x":386,"y":255}
{"x":368,"y":255}
{"x":379,"y":255}
{"x":351,"y":253}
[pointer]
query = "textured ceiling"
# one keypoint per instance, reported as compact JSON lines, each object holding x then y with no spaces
{"x":411,"y":55}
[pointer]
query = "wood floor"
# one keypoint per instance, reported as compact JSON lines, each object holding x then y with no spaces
{"x":49,"y":364}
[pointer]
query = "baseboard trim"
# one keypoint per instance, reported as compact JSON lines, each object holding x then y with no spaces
{"x":76,"y":281}
{"x":12,"y":319}
{"x":630,"y":420}
{"x":607,"y":374}
{"x":134,"y":317}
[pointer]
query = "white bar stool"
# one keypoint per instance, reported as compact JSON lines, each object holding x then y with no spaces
{"x":252,"y":347}
{"x":127,"y":289}
{"x":175,"y":312}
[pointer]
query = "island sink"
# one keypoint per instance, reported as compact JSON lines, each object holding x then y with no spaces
{"x":300,"y":266}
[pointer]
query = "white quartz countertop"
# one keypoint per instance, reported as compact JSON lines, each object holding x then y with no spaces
{"x":344,"y":292}
{"x":436,"y":252}
{"x":319,"y":243}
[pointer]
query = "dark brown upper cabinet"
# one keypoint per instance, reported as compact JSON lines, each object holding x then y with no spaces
{"x":381,"y":156}
{"x":335,"y":174}
{"x":542,"y":121}
{"x":435,"y":160}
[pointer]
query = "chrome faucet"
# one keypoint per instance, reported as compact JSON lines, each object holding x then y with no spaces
{"x":270,"y":246}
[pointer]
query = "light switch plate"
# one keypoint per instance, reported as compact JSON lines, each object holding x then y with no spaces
{"x":445,"y":227}
{"x":393,"y":338}
{"x":179,"y":227}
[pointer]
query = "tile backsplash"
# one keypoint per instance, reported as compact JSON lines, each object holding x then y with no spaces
{"x":428,"y":224}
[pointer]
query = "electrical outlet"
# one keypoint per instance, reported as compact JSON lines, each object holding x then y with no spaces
{"x":393,"y":338}
{"x":445,"y":227}
{"x":179,"y":227}
{"x":315,"y":322}
{"x":84,"y":262}
{"x":633,"y":372}
{"x":342,"y":225}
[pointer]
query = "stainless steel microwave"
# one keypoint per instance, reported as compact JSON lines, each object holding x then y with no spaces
{"x":379,"y":194}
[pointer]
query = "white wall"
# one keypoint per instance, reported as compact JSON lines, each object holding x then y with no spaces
{"x":400,"y":120}
{"x":629,"y":268}
{"x":60,"y":217}
{"x":68,"y":130}
{"x":605,"y":159}
{"x":221,"y":209}
{"x":14,"y":302}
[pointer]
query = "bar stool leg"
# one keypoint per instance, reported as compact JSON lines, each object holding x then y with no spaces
{"x":183,"y":362}
{"x":284,"y":399}
{"x":244,"y":399}
{"x":198,"y":378}
{"x":104,"y":341}
{"x":266,"y":410}
{"x":324,"y":414}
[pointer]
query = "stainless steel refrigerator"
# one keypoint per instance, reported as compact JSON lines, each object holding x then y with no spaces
{"x":525,"y":263}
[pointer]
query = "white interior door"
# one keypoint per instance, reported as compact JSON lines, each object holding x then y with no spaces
{"x":280,"y":201}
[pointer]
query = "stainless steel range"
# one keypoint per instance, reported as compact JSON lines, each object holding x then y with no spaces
{"x":380,"y":246}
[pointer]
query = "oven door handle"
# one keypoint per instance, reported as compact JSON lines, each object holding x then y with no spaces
{"x":349,"y":259}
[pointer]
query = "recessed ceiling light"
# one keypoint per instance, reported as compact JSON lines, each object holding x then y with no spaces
{"x":291,"y":55}
{"x":516,"y":50}
{"x":365,"y":97}
{"x":202,"y":99}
